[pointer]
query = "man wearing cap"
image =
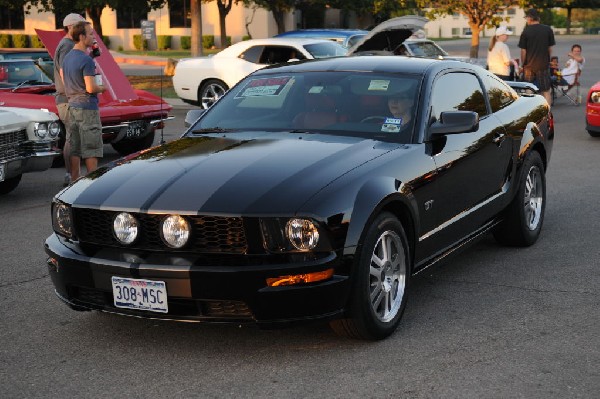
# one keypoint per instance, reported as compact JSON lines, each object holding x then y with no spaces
{"x":536,"y":43}
{"x":78,"y":73}
{"x":64,"y":46}
{"x":498,"y":59}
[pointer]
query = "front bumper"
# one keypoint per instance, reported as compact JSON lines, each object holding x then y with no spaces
{"x":207,"y":293}
{"x":132,"y":130}
{"x":37,"y":161}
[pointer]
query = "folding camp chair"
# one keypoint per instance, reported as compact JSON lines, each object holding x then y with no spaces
{"x":558,"y":90}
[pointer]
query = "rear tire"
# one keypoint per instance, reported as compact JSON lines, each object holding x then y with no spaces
{"x":593,"y":134}
{"x":380,"y":282}
{"x":210,"y":92}
{"x":10,"y":184}
{"x":525,"y":214}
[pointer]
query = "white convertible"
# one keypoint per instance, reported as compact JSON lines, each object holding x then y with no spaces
{"x":27,"y":143}
{"x":203,"y":80}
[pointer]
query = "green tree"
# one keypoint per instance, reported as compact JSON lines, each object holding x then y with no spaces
{"x":569,"y":5}
{"x":224,"y":7}
{"x":196,"y":17}
{"x":93,"y":8}
{"x":480,"y":13}
{"x":277,"y":7}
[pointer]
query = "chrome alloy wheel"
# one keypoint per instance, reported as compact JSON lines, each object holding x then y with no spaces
{"x":211,"y":93}
{"x":533,"y":198}
{"x":387,"y":276}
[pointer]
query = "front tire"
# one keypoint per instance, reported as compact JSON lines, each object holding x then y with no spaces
{"x":210,"y":92}
{"x":9,"y":185}
{"x":380,"y":282}
{"x":525,"y":214}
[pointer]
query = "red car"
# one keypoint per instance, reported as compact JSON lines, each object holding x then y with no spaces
{"x":592,"y":112}
{"x":129,"y":117}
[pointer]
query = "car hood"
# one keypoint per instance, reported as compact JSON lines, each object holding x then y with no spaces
{"x":255,"y":173}
{"x":390,"y":34}
{"x":115,"y":81}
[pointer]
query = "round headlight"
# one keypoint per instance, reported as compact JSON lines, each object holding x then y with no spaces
{"x":54,"y":129}
{"x":302,"y":233}
{"x":175,"y":231}
{"x":40,"y":130}
{"x":126,"y":228}
{"x":62,"y":219}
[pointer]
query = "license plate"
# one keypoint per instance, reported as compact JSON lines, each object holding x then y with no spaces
{"x":134,"y":130}
{"x":2,"y":173}
{"x":137,"y":294}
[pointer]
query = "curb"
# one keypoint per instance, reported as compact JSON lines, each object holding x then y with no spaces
{"x":139,"y":61}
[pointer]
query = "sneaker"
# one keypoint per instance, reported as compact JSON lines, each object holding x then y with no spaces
{"x":67,"y":180}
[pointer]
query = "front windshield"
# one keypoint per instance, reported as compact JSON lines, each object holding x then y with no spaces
{"x":326,"y":49}
{"x":380,"y":106}
{"x":13,"y":73}
{"x":354,"y":39}
{"x":425,"y":49}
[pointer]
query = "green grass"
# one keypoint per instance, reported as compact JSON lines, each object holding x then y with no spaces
{"x":162,"y":87}
{"x":176,"y":54}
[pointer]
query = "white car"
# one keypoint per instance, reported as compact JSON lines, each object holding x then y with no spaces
{"x":203,"y":80}
{"x":28,"y":139}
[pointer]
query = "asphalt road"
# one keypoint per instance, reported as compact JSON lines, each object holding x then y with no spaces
{"x":494,"y":322}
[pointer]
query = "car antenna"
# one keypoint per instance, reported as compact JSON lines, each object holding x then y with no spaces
{"x":162,"y":125}
{"x":162,"y":71}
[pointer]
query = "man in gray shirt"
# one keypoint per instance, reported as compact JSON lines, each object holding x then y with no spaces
{"x":64,"y":46}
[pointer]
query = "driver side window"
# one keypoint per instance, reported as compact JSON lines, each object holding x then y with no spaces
{"x":457,"y":91}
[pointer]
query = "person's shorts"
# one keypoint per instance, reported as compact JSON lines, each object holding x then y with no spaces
{"x":63,"y":114}
{"x":539,"y":78}
{"x":86,"y":133}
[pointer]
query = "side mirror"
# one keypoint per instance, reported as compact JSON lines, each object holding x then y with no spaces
{"x":455,"y":122}
{"x":192,"y":116}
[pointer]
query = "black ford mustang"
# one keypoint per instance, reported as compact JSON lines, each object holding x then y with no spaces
{"x":305,"y":194}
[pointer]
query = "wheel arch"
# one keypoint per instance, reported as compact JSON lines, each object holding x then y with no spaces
{"x":206,"y":80}
{"x":533,"y":140}
{"x":377,"y":196}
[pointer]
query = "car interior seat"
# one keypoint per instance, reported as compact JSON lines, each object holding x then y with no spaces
{"x":320,"y":111}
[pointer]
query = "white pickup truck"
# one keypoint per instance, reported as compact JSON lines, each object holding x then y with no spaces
{"x":28,"y":139}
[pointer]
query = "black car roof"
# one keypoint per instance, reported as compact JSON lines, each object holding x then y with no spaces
{"x":393,"y":64}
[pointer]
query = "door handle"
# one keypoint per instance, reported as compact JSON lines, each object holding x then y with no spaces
{"x":499,"y":138}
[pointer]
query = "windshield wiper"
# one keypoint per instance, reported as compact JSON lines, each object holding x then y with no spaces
{"x":215,"y":129}
{"x":25,"y":82}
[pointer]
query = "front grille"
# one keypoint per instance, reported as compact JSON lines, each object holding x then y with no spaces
{"x":10,"y":144}
{"x":210,"y":234}
{"x":227,"y":309}
{"x":178,"y":307}
{"x":36,"y":146}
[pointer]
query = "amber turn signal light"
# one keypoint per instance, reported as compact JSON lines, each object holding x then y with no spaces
{"x":300,"y":278}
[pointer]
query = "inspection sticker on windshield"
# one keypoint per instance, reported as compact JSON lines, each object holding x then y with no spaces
{"x":391,"y":125}
{"x":264,"y":87}
{"x":379,"y":85}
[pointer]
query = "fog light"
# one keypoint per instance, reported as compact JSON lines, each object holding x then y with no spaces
{"x":300,"y":278}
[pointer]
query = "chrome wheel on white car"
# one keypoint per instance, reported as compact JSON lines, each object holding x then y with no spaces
{"x":211,"y":91}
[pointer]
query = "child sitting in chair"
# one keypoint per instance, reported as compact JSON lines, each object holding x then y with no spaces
{"x":573,"y":66}
{"x":555,"y":75}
